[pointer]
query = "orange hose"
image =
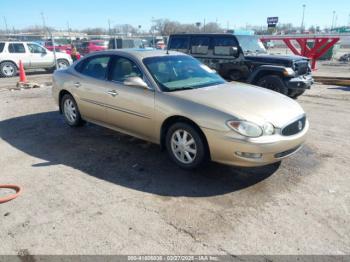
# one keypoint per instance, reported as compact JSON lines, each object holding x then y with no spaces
{"x":10,"y":197}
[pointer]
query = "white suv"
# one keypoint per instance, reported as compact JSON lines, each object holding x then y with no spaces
{"x":32,"y":55}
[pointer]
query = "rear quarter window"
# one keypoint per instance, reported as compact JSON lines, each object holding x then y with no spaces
{"x":180,"y":43}
{"x":2,"y":45}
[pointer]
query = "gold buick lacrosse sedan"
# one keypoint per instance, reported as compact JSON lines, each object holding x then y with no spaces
{"x":173,"y":100}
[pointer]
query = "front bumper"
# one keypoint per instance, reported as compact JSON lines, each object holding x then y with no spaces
{"x":224,"y":147}
{"x":300,"y":82}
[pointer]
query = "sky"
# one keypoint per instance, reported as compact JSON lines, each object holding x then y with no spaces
{"x":81,"y":14}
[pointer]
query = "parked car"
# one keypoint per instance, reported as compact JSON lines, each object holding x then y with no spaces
{"x":61,"y":45}
{"x":93,"y":46}
{"x":345,"y":58}
{"x":244,"y":58}
{"x":122,"y":43}
{"x":173,"y":100}
{"x":32,"y":55}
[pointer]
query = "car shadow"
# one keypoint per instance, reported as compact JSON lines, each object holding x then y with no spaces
{"x":342,"y":88}
{"x":121,"y":159}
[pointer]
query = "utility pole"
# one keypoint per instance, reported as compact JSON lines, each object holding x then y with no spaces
{"x":204,"y":26}
{"x":303,"y":19}
{"x":44,"y":23}
{"x":109,"y":26}
{"x":43,"y":19}
{"x":333,"y":19}
{"x":5,"y":22}
{"x":153,"y":32}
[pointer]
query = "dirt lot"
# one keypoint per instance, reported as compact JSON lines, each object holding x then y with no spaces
{"x":94,"y":191}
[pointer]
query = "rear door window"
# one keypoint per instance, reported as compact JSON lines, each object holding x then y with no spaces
{"x":2,"y":45}
{"x":223,"y":45}
{"x":180,"y":43}
{"x":200,"y":45}
{"x":96,"y":67}
{"x":16,"y":48}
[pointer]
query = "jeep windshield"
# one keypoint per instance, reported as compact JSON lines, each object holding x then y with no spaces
{"x":251,"y":44}
{"x":175,"y":73}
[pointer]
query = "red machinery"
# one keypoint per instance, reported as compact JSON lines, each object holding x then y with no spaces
{"x":321,"y":44}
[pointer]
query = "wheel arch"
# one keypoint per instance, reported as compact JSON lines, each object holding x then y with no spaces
{"x":264,"y":71}
{"x":176,"y":119}
{"x":11,"y":61}
{"x":60,"y":96}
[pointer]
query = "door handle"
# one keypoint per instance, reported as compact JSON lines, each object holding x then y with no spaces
{"x":112,"y":93}
{"x":77,"y":84}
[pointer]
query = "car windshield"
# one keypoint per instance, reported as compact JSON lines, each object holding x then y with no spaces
{"x":175,"y":73}
{"x":251,"y":44}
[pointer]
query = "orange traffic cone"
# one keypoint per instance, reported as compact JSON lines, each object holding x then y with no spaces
{"x":22,"y":73}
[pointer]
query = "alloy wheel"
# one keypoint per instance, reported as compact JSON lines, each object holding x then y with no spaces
{"x":70,"y":111}
{"x":183,"y":146}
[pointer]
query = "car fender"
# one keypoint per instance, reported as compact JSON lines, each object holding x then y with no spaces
{"x":264,"y":69}
{"x":10,"y":60}
{"x":60,"y":55}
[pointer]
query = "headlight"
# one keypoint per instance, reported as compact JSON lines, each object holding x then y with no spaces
{"x":288,"y":72}
{"x":269,"y":129}
{"x":250,"y":129}
{"x":246,"y":128}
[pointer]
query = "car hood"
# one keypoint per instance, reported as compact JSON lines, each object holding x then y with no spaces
{"x":246,"y":102}
{"x":274,"y":59}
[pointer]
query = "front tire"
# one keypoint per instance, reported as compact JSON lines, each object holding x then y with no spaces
{"x":273,"y":83}
{"x":235,"y":75}
{"x":186,"y":146}
{"x":8,"y":69}
{"x":70,"y":111}
{"x":296,"y":94}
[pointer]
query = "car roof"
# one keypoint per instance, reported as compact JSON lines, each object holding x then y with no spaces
{"x":139,"y":53}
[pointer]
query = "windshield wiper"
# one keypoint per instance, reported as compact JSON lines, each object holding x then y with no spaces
{"x":183,"y":88}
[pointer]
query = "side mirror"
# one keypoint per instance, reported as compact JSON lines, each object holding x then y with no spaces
{"x":136,"y":82}
{"x":233,"y":51}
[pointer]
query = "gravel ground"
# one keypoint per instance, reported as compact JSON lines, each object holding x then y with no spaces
{"x":95,"y":191}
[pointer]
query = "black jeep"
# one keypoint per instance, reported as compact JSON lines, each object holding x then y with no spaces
{"x":245,"y":59}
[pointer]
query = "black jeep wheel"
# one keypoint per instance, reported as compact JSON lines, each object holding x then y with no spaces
{"x":234,"y":75}
{"x":274,"y":83}
{"x":296,"y":94}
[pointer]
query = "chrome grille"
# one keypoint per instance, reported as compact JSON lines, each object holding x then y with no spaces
{"x":295,"y":127}
{"x":301,"y":67}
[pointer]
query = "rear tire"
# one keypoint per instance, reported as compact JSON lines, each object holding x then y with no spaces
{"x":8,"y":69}
{"x":186,"y":146}
{"x":273,"y":83}
{"x":71,"y":112}
{"x":62,"y":63}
